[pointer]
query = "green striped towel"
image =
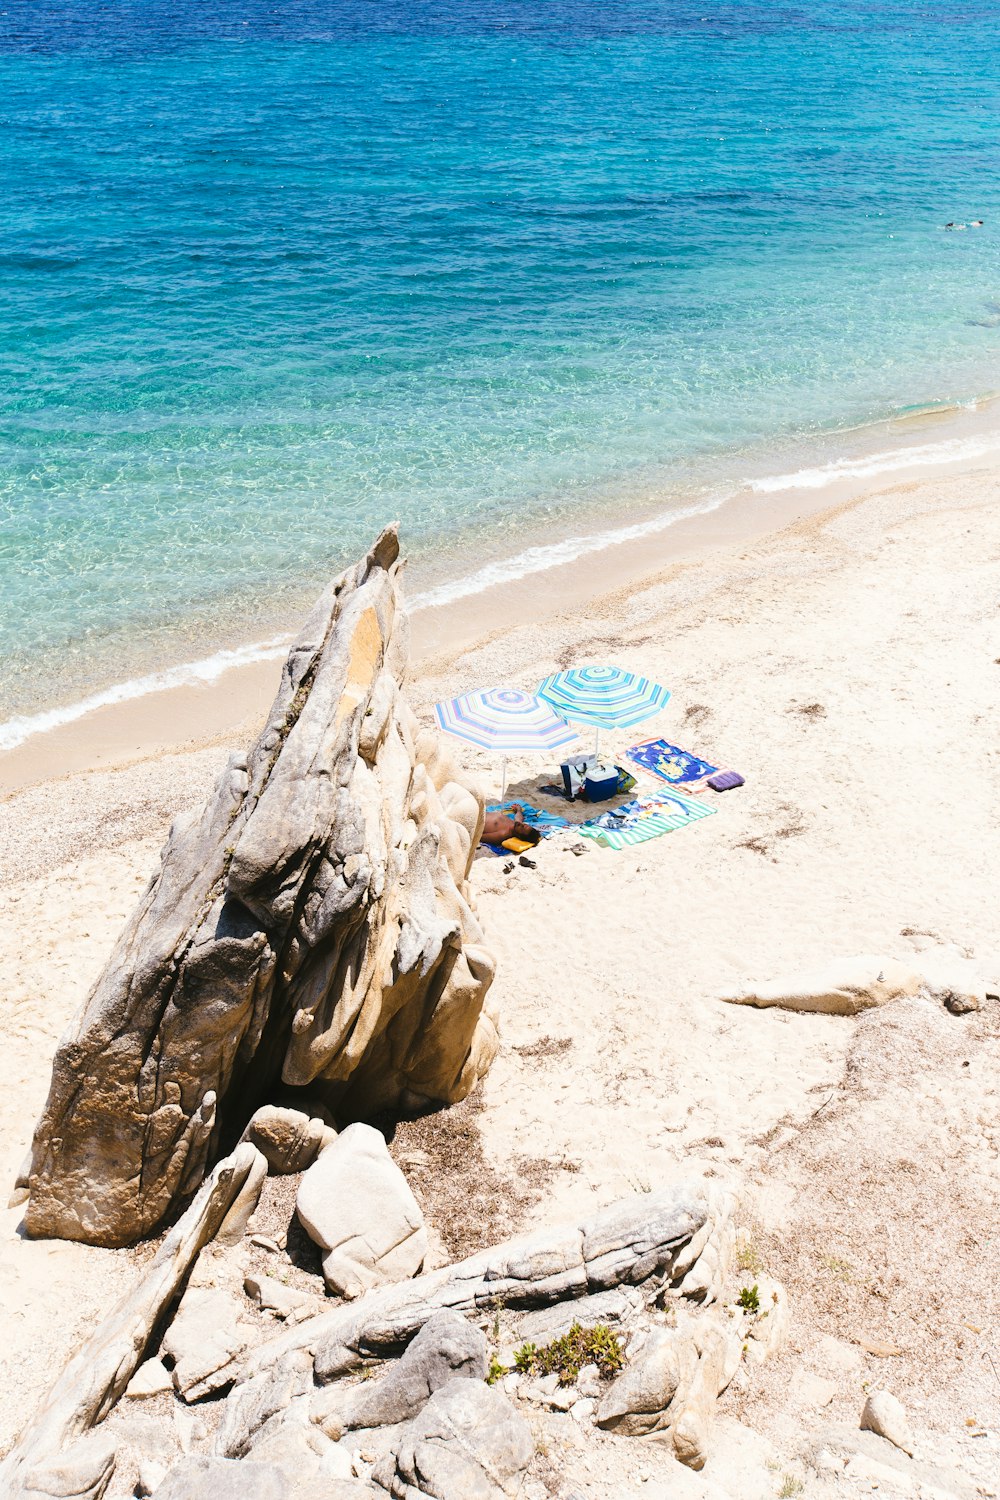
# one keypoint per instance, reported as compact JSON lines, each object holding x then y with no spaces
{"x":658,"y":813}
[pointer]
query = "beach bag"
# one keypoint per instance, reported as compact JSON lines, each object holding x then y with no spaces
{"x":626,"y":781}
{"x":574,"y":773}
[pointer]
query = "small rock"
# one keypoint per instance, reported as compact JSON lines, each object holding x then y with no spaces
{"x":583,"y":1410}
{"x":767,"y":1333}
{"x":415,"y":1158}
{"x":289,"y":1140}
{"x":886,"y":1416}
{"x":81,"y":1472}
{"x":874,"y":1475}
{"x":953,"y":982}
{"x":150,"y":1476}
{"x":338,"y":1462}
{"x":826,"y":1463}
{"x":265,"y":1242}
{"x":879,"y":1348}
{"x":588,"y":1382}
{"x":355,"y":1203}
{"x":283,"y":1301}
{"x":360,"y":1466}
{"x":297,"y":1447}
{"x":614,"y":1307}
{"x":152,"y":1378}
{"x":813,"y":1390}
{"x":636,"y":1402}
{"x":234,"y":1225}
{"x":204,"y":1341}
{"x":833,"y":1352}
{"x":553,"y":1400}
{"x":201,"y":1478}
{"x":254,"y":1403}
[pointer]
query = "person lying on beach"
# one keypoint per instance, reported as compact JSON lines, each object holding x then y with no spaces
{"x":508,"y":824}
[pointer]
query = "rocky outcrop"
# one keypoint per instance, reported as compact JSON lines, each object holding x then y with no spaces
{"x":313,"y":925}
{"x":671,"y":1386}
{"x":427,"y":1425}
{"x":627,"y":1243}
{"x":843,"y":987}
{"x":448,"y":1347}
{"x":87,"y":1389}
{"x":468,"y":1443}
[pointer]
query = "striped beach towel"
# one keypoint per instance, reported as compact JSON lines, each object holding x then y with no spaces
{"x":648,"y":817}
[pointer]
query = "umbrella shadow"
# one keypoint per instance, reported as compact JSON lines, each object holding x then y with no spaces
{"x":528,"y":793}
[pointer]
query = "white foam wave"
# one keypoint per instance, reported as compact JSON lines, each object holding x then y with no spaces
{"x":950,"y":451}
{"x":552,"y":555}
{"x":15,"y":731}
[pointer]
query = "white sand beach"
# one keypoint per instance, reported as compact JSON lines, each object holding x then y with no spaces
{"x":848,"y":666}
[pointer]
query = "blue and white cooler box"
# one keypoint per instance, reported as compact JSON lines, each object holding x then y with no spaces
{"x":585,"y":774}
{"x":600,"y":782}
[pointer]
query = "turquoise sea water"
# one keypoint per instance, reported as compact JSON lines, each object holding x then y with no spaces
{"x":273,"y":274}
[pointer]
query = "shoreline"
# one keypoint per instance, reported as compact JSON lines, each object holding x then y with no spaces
{"x":846,"y":665}
{"x":195,"y":704}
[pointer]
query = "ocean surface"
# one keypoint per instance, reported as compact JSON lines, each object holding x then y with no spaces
{"x":517,"y":274}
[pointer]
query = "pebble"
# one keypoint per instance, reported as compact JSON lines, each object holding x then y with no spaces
{"x":887,"y":1416}
{"x":813,"y":1390}
{"x":264,"y":1242}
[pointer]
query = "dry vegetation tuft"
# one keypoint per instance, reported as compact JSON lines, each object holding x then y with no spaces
{"x":465,"y":1198}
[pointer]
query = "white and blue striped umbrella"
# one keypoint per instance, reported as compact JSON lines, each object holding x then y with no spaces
{"x":606,"y":697}
{"x":505,"y":721}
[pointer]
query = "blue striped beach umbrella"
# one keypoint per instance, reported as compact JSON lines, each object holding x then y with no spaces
{"x":506,"y":722}
{"x":606,"y":697}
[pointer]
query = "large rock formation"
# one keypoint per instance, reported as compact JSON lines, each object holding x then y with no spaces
{"x":313,"y":923}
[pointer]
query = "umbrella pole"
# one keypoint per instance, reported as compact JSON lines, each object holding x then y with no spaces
{"x":597,"y":744}
{"x":503,"y":784}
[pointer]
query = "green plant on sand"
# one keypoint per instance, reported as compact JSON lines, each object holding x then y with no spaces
{"x":748,"y":1258}
{"x":567,"y":1356}
{"x":749,"y":1299}
{"x":496,"y":1371}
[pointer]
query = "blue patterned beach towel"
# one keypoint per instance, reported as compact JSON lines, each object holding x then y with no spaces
{"x":668,"y":762}
{"x":547,"y":823}
{"x":646,"y":818}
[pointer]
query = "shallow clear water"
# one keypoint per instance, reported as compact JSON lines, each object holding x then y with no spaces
{"x":273,"y":274}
